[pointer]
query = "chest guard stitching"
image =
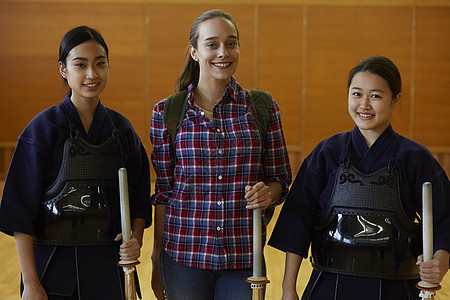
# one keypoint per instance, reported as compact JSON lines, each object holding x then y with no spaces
{"x":81,"y":207}
{"x":364,"y":230}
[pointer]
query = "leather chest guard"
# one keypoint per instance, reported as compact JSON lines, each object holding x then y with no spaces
{"x":82,"y":206}
{"x":364,"y":230}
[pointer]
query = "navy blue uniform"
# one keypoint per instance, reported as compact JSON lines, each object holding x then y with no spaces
{"x":313,"y":187}
{"x":35,"y":166}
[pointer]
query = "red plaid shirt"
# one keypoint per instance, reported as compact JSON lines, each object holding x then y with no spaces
{"x":207,"y":225}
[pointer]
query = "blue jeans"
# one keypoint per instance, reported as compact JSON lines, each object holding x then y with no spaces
{"x":185,"y":283}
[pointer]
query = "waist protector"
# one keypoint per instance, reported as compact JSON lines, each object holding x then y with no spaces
{"x":82,"y":205}
{"x":364,"y":230}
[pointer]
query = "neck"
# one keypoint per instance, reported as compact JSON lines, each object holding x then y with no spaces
{"x":211,"y":89}
{"x":370,"y":137}
{"x":85,"y":110}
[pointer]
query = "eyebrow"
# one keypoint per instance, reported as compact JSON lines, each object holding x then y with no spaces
{"x":85,"y":59}
{"x":215,"y":37}
{"x":374,"y":90}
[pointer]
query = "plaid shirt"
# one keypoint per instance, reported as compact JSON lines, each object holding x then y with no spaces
{"x":207,"y":225}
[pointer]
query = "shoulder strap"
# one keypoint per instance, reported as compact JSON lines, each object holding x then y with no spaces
{"x":174,"y":111}
{"x":261,"y":106}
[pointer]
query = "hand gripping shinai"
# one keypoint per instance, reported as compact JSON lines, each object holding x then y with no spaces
{"x":128,"y":266}
{"x":427,"y":290}
{"x":257,"y":281}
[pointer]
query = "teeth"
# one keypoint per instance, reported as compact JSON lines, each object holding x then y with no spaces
{"x":222,"y":64}
{"x":365,"y":115}
{"x":91,"y":85}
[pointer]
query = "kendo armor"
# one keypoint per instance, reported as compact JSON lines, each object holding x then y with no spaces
{"x":82,"y":205}
{"x":364,"y":230}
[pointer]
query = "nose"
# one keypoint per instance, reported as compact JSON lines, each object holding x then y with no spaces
{"x":365,"y":102}
{"x":91,"y":72}
{"x":222,"y":51}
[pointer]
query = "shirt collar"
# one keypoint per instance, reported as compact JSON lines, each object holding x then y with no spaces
{"x":232,"y":91}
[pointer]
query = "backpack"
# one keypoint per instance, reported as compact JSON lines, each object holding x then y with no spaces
{"x":260,"y":104}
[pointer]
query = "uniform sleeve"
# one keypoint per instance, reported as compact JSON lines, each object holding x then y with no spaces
{"x":276,"y":159}
{"x":162,"y":157}
{"x":441,"y":210}
{"x":139,"y":166}
{"x":23,"y":189}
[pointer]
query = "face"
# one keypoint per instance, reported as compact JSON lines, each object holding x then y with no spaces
{"x":370,"y":103}
{"x":86,"y":71}
{"x":217,"y":50}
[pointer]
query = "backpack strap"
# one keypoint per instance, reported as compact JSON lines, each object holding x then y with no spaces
{"x":261,"y":105}
{"x":174,"y":111}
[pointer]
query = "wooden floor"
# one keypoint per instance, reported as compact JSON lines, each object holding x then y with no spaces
{"x":10,"y":271}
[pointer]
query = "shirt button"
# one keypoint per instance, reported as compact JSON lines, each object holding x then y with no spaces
{"x":220,"y":177}
{"x":218,"y":228}
{"x":219,"y":202}
{"x":220,"y":151}
{"x":218,"y":130}
{"x":202,"y":113}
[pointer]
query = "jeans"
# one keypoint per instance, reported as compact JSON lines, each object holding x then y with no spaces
{"x":185,"y":283}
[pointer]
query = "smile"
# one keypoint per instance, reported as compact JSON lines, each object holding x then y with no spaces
{"x":365,"y":116}
{"x":222,"y":65}
{"x":91,"y":85}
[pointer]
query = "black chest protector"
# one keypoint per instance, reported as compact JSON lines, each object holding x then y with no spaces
{"x":364,"y":230}
{"x":82,"y":206}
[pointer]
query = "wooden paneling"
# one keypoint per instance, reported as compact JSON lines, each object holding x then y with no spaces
{"x":330,"y":51}
{"x":337,"y":39}
{"x":280,"y":34}
{"x":432,"y":107}
{"x":30,"y":82}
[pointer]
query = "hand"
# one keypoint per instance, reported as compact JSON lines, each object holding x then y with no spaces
{"x":157,"y":285}
{"x":434,"y":270}
{"x":258,"y":196}
{"x":131,"y":250}
{"x":34,"y":291}
{"x":289,"y":295}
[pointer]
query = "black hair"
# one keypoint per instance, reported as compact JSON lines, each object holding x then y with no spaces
{"x":383,"y":67}
{"x":75,"y":37}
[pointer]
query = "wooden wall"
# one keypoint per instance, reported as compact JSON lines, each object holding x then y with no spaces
{"x":301,"y":51}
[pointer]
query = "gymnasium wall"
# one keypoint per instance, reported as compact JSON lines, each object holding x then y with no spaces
{"x":301,"y":51}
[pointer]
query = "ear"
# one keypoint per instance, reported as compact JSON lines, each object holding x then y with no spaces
{"x":193,"y":53}
{"x":397,"y":99}
{"x":62,"y":70}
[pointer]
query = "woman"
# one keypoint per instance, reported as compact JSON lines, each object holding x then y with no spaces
{"x":217,"y":171}
{"x":60,"y":198}
{"x":355,"y":200}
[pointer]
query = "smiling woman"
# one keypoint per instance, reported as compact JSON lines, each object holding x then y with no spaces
{"x":60,"y":199}
{"x":204,"y":199}
{"x":355,"y":201}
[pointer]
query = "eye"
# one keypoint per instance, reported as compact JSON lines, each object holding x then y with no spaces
{"x":101,"y":64}
{"x":356,"y":94}
{"x":232,"y":44}
{"x":80,"y":65}
{"x":211,"y":45}
{"x":376,"y":96}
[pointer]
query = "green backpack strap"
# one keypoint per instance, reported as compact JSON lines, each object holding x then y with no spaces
{"x":261,"y":105}
{"x":174,"y":111}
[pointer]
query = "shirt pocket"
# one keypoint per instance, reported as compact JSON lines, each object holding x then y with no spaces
{"x":242,"y":136}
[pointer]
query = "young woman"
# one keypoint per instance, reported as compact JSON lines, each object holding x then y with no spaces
{"x":218,"y":171}
{"x":355,"y":200}
{"x":60,"y":199}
